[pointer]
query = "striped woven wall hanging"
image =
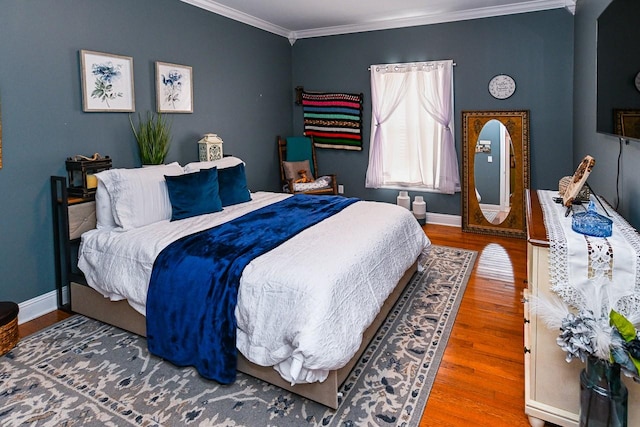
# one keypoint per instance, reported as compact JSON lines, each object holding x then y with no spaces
{"x":333,"y":119}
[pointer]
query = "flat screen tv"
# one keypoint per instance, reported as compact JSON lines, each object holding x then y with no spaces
{"x":618,"y":70}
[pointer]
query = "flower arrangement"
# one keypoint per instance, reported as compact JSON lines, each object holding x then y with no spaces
{"x":153,"y":136}
{"x":595,"y":328}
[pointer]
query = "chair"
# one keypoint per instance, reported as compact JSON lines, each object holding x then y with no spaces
{"x":293,"y":152}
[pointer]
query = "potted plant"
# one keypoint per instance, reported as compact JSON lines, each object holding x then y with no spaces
{"x":153,"y":136}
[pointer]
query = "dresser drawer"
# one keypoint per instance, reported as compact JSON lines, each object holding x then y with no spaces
{"x":82,"y":218}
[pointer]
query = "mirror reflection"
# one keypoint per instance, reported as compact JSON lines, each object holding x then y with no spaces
{"x":494,"y":171}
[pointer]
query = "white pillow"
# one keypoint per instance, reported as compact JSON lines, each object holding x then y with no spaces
{"x":225,"y":162}
{"x":104,"y":213}
{"x":139,"y":196}
{"x":322,"y":182}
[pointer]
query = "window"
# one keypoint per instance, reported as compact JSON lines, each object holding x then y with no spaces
{"x":412,"y":139}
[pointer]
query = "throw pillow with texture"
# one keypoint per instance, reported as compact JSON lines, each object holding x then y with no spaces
{"x":292,"y":169}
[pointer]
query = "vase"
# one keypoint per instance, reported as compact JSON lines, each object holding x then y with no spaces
{"x":603,"y":395}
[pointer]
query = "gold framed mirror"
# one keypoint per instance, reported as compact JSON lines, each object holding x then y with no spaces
{"x":495,"y":162}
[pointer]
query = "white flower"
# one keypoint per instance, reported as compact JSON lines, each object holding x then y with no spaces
{"x":594,"y":329}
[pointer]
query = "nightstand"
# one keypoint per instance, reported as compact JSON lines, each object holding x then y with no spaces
{"x":72,"y":216}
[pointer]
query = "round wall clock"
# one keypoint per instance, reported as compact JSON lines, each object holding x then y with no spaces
{"x":502,"y":86}
{"x":637,"y":81}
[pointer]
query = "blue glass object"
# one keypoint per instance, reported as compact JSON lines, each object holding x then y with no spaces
{"x":603,"y":396}
{"x":592,"y":223}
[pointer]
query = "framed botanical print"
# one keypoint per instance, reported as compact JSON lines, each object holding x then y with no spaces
{"x":174,"y":88}
{"x":107,"y":82}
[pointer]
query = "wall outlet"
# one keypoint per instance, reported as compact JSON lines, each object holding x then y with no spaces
{"x":340,"y":189}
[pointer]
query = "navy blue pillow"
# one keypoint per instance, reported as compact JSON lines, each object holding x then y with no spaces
{"x":194,"y":194}
{"x":233,"y":185}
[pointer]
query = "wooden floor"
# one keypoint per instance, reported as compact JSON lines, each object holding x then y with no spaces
{"x":480,"y":381}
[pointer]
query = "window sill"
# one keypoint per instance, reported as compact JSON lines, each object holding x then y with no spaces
{"x":414,"y":189}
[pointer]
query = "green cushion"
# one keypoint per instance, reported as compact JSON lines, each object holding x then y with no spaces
{"x":299,"y":149}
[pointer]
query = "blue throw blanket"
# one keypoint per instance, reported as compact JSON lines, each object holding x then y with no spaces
{"x":194,"y":283}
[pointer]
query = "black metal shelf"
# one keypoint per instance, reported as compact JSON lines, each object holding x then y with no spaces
{"x":64,"y":247}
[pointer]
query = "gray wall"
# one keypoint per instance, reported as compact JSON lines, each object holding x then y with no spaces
{"x":603,"y":148}
{"x":536,"y":49}
{"x":243,"y":81}
{"x":242,"y":91}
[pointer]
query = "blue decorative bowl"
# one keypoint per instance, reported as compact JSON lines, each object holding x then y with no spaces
{"x":592,"y":223}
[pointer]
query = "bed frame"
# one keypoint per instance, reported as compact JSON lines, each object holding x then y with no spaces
{"x":78,"y":217}
{"x":87,"y":301}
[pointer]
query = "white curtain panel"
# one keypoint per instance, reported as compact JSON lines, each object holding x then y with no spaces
{"x":412,"y":139}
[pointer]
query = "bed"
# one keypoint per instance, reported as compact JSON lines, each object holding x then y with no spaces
{"x":305,"y":310}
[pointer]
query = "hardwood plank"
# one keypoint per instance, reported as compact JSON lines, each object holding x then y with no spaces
{"x":480,"y":381}
{"x":41,"y":322}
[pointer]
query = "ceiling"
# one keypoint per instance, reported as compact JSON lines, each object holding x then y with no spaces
{"x":296,"y":19}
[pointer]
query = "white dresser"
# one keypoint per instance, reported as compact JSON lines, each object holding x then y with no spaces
{"x":552,"y":386}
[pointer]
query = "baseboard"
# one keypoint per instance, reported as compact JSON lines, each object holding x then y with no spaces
{"x":444,"y":219}
{"x":44,"y":304}
{"x":38,"y":306}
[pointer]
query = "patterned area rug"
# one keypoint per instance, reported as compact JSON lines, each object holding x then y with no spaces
{"x":81,"y":372}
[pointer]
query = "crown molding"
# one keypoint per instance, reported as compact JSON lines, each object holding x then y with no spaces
{"x":239,"y":16}
{"x":425,"y":19}
{"x":486,"y":12}
{"x":571,"y":6}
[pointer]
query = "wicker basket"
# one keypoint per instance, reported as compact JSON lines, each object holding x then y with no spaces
{"x":8,"y":326}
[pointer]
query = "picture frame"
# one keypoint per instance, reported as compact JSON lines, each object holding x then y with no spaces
{"x":174,"y":88}
{"x":107,"y":82}
{"x":578,"y":180}
{"x":627,"y":123}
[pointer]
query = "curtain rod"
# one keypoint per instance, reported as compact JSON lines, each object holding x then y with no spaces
{"x":407,"y":63}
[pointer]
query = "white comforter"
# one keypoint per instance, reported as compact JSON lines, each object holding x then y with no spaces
{"x":303,"y":306}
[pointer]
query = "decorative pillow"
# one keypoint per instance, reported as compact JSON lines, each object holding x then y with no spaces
{"x":194,"y":194}
{"x":139,"y":196}
{"x":225,"y":162}
{"x":291,"y":169}
{"x":104,"y":214}
{"x":232,"y":183}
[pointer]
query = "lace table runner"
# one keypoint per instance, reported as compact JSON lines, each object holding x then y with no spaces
{"x":577,"y":260}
